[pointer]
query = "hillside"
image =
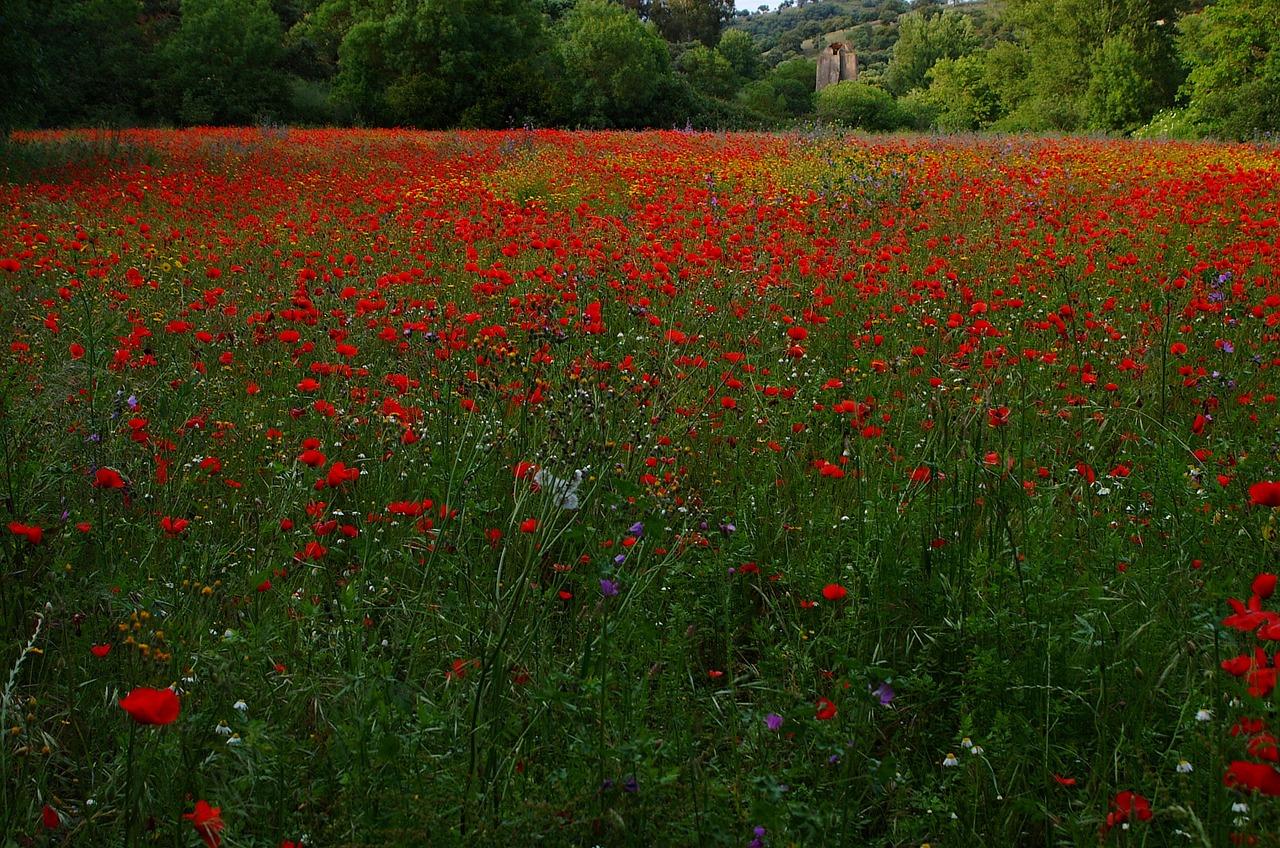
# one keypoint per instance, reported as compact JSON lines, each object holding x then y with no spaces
{"x":869,"y":27}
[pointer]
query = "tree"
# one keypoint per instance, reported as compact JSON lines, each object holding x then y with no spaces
{"x":614,"y":66}
{"x":95,"y":64}
{"x":439,"y":63}
{"x":1233,"y":50}
{"x":742,"y":53}
{"x":960,"y":97}
{"x":708,"y":72}
{"x":1121,"y":89}
{"x":793,"y":82}
{"x":219,"y":66}
{"x":20,"y":89}
{"x":691,"y":20}
{"x":922,"y":41}
{"x":1062,"y":38}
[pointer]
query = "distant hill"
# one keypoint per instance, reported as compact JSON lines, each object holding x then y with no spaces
{"x":869,"y":27}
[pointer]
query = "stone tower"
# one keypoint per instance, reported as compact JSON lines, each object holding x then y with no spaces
{"x":835,"y":64}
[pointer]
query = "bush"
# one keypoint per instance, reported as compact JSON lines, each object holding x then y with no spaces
{"x":860,"y":105}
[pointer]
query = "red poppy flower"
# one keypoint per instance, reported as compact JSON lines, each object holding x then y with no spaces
{"x":107,"y":478}
{"x":1127,"y":806}
{"x":33,"y":535}
{"x":1265,"y":494}
{"x":49,"y":817}
{"x":834,"y":592}
{"x":1252,"y":777}
{"x":173,"y":526}
{"x":1264,"y":585}
{"x":100,"y":651}
{"x":312,"y":458}
{"x":826,"y":710}
{"x":311,"y":552}
{"x":152,"y":706}
{"x":529,"y":525}
{"x":339,"y":474}
{"x":207,"y":822}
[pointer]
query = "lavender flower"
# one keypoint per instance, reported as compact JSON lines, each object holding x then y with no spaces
{"x":608,"y":587}
{"x":884,"y":692}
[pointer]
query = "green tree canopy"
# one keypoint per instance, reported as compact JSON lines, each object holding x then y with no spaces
{"x":614,"y":66}
{"x":742,"y":53}
{"x":923,"y":39}
{"x":219,"y":66}
{"x":1233,"y":51}
{"x":435,"y":63}
{"x":95,"y":68}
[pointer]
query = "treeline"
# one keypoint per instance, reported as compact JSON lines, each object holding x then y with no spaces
{"x":416,"y":63}
{"x":1174,"y":67}
{"x":1181,"y":68}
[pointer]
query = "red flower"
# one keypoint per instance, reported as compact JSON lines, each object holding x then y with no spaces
{"x":173,"y":526}
{"x":529,"y":525}
{"x":1261,"y":681}
{"x":312,"y":458}
{"x":100,"y":651}
{"x":339,"y":474}
{"x":311,"y":552}
{"x":49,"y":816}
{"x":1265,"y":494}
{"x":826,"y":710}
{"x":1127,"y":806}
{"x":834,"y":592}
{"x":1264,"y":585}
{"x":1252,"y":777}
{"x":152,"y":706}
{"x":107,"y":478}
{"x":207,"y":822}
{"x":33,"y":535}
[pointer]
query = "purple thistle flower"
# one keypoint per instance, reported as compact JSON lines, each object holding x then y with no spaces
{"x":773,"y":721}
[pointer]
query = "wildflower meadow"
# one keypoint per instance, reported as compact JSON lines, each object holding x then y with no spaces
{"x":369,"y":488}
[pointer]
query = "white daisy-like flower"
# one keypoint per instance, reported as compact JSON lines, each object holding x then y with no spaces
{"x":1184,"y":767}
{"x":222,"y":729}
{"x":950,"y":761}
{"x":240,"y":705}
{"x":235,"y":739}
{"x":1203,"y":715}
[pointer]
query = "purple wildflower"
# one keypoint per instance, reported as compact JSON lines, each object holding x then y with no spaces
{"x":884,"y":692}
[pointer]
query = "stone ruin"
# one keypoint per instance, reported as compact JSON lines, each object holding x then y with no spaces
{"x":836,"y":63}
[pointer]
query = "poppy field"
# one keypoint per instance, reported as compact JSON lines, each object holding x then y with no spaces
{"x":494,"y":488}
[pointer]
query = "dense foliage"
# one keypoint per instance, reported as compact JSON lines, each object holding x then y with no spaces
{"x":1146,"y":67}
{"x":386,"y":488}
